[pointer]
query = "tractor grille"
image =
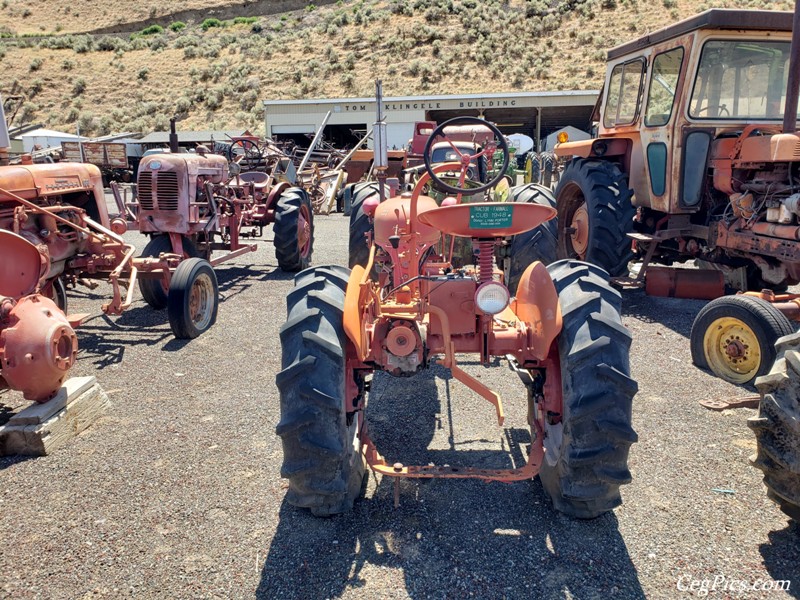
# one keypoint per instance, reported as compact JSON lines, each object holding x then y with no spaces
{"x":796,"y":153}
{"x":146,"y":191}
{"x":167,"y":190}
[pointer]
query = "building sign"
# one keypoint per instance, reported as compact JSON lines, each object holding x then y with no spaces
{"x":433,"y":105}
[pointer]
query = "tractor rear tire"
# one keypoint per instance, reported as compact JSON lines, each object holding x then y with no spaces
{"x":744,"y":323}
{"x":593,"y":198}
{"x":294,"y":215}
{"x":360,"y":223}
{"x":538,"y":244}
{"x":152,"y":289}
{"x":586,"y":455}
{"x":777,"y":427}
{"x":322,"y":456}
{"x":193,"y":298}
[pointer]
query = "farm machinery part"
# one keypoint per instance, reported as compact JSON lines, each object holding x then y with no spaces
{"x":61,"y":210}
{"x":38,"y":345}
{"x":560,"y":332}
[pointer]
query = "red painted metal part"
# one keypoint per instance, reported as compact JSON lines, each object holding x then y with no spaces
{"x":389,"y":329}
{"x":703,"y":284}
{"x":379,"y":464}
{"x":37,"y":346}
{"x":788,"y":304}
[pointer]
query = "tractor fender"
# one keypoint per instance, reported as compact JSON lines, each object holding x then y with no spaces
{"x":537,"y":305}
{"x":353,"y":310}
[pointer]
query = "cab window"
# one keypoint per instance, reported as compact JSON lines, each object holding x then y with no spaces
{"x":624,"y":92}
{"x":663,"y":82}
{"x":741,"y":79}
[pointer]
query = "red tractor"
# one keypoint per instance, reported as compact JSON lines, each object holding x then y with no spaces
{"x":191,"y":206}
{"x":559,"y":329}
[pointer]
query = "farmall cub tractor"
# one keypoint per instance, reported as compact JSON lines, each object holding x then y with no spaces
{"x":192,"y":205}
{"x":691,"y":162}
{"x":559,"y":330}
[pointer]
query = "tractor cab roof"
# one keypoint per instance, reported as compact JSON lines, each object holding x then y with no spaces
{"x":719,"y":19}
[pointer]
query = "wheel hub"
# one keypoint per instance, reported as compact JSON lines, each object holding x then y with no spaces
{"x":201,"y":305}
{"x":580,"y":230}
{"x":303,"y":231}
{"x":732,"y":349}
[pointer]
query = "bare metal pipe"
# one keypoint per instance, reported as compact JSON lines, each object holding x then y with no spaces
{"x":793,"y":85}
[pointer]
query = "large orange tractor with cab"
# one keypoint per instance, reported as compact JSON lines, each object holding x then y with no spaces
{"x":559,"y":329}
{"x":695,"y":160}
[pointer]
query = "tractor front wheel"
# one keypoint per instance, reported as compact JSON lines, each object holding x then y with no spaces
{"x":193,"y":298}
{"x":537,"y":244}
{"x":734,"y":337}
{"x":595,"y":215}
{"x":322,"y":456}
{"x":777,"y":427}
{"x":586,"y":450}
{"x":153,"y":289}
{"x":294,"y":230}
{"x":360,"y":223}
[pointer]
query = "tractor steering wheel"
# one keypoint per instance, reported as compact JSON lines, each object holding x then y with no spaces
{"x":489,"y":148}
{"x":720,"y":109}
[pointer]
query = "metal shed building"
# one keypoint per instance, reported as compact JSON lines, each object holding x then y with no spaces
{"x":535,"y":114}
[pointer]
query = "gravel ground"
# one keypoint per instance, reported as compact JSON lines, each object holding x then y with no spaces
{"x":176,"y":493}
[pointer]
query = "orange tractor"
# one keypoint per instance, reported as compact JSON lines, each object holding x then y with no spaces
{"x":692,"y":162}
{"x":559,"y":330}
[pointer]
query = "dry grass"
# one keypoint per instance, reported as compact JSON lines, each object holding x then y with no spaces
{"x":53,"y":16}
{"x":216,"y":78}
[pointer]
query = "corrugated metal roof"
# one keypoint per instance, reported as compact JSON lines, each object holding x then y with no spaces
{"x":192,"y":137}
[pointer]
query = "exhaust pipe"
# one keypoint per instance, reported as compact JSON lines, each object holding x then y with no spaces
{"x":5,"y":141}
{"x":173,"y":135}
{"x":793,"y":85}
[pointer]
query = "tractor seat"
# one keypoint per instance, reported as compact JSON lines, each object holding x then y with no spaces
{"x":257,"y":178}
{"x":487,"y":219}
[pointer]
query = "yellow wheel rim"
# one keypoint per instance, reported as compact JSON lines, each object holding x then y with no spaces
{"x":732,"y":350}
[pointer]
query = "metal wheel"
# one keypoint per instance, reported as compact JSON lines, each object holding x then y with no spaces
{"x":579,"y":237}
{"x":734,"y":337}
{"x":732,"y":349}
{"x":193,"y":298}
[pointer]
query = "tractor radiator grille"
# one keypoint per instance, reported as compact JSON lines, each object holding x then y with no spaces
{"x":167,"y":190}
{"x":145,"y":187}
{"x":796,"y":153}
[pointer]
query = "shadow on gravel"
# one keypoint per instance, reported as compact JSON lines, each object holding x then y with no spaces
{"x":448,"y":538}
{"x":674,"y":313}
{"x":9,"y":461}
{"x":103,"y":339}
{"x":782,"y":556}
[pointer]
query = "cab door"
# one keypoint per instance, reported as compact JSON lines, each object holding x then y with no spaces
{"x":658,"y":130}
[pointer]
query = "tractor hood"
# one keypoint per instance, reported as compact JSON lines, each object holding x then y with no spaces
{"x":392,"y":216}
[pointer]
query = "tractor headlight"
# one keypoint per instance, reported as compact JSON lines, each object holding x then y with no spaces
{"x":492,"y":297}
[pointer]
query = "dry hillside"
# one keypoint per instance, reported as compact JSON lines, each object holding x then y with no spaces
{"x":215,"y":73}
